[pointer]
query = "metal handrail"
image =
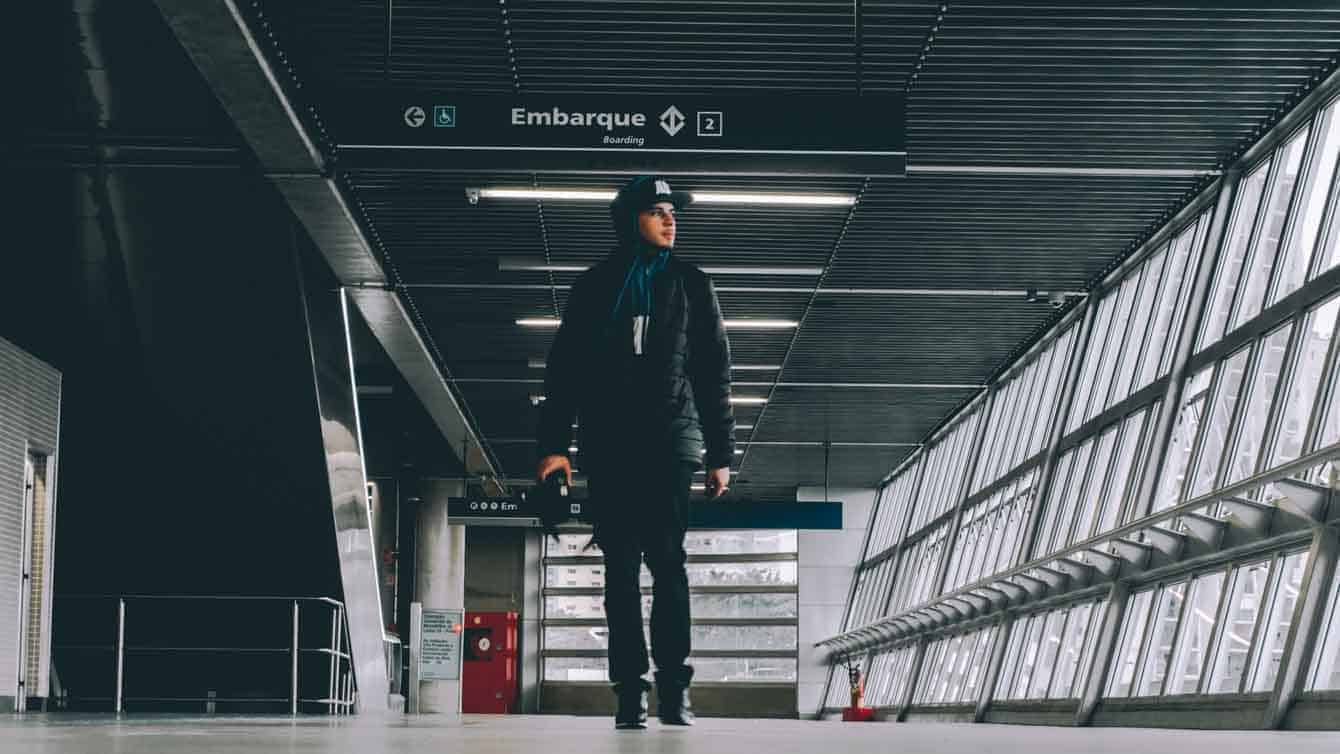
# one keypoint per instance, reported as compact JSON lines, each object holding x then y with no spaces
{"x":340,"y":694}
{"x":1284,"y":471}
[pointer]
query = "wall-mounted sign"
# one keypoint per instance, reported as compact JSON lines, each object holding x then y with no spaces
{"x":796,"y":133}
{"x":440,"y":645}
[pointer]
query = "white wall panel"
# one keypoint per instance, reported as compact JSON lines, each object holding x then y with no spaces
{"x":29,"y":418}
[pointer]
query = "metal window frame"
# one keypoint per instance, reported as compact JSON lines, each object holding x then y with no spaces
{"x":1329,"y":379}
{"x":1307,"y":173}
{"x":1262,"y":624}
{"x":1272,"y":186}
{"x":1235,"y":573}
{"x":1179,"y":641}
{"x":1257,"y":371}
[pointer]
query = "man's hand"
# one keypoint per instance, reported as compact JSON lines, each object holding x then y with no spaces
{"x":718,"y":481}
{"x":550,"y":464}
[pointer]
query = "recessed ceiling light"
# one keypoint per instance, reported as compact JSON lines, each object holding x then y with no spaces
{"x":539,"y":322}
{"x":699,"y":197}
{"x":756,"y":367}
{"x":743,"y":426}
{"x":748,"y":400}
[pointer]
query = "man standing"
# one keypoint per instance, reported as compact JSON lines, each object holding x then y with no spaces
{"x":642,"y":362}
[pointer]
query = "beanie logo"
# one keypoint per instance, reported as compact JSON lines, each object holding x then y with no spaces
{"x":662,"y":187}
{"x":672,"y":120}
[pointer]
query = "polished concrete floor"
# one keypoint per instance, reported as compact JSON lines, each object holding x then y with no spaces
{"x":41,"y":734}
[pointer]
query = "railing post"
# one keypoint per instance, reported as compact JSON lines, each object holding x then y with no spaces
{"x":120,"y":653}
{"x":293,"y":685}
{"x":333,"y":672}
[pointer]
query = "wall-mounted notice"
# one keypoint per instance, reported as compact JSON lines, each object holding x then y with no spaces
{"x":440,"y":645}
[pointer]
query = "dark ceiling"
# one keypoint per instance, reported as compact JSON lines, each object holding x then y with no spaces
{"x":1140,"y":102}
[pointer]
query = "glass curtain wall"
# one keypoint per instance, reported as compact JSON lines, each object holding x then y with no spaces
{"x":953,"y":670}
{"x":1260,"y":390}
{"x":1220,"y":631}
{"x":744,"y":602}
{"x":1048,"y":653}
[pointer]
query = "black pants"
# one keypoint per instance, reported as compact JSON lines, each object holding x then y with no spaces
{"x":643,"y":516}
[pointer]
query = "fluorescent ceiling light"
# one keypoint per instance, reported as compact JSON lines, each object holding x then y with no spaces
{"x":582,"y":195}
{"x":748,"y":400}
{"x":535,"y":264}
{"x":744,"y":426}
{"x":735,"y":324}
{"x":699,"y":197}
{"x":536,"y":400}
{"x":793,"y":200}
{"x":572,"y":448}
{"x":756,"y":367}
{"x":535,"y":363}
{"x":746,"y":270}
{"x":761,"y":324}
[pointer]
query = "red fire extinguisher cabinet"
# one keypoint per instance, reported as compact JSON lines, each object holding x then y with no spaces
{"x":489,"y":682}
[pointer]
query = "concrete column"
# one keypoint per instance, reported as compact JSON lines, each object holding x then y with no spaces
{"x":827,"y":561}
{"x":439,"y":583}
{"x":532,"y":610}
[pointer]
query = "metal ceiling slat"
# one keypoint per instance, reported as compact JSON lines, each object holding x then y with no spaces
{"x":1040,"y":85}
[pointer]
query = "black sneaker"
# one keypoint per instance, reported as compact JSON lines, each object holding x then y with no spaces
{"x":632,"y":711}
{"x":672,"y":694}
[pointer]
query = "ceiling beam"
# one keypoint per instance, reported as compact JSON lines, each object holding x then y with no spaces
{"x":231,"y":58}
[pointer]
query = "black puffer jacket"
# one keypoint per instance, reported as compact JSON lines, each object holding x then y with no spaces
{"x":672,"y":401}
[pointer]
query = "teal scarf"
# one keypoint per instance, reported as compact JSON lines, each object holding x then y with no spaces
{"x":638,"y":283}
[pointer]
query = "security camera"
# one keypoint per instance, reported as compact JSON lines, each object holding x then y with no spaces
{"x":1057,"y":300}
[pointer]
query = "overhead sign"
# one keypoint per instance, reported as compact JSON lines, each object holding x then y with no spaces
{"x":703,"y":514}
{"x":440,"y":645}
{"x":795,"y":133}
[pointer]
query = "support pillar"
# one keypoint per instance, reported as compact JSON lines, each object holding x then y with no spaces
{"x":992,"y":674}
{"x":1059,"y":419}
{"x":1185,"y":345}
{"x":1101,"y":662}
{"x":439,"y":585}
{"x":1313,"y":596}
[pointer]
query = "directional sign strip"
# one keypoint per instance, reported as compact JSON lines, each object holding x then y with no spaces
{"x":482,"y":511}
